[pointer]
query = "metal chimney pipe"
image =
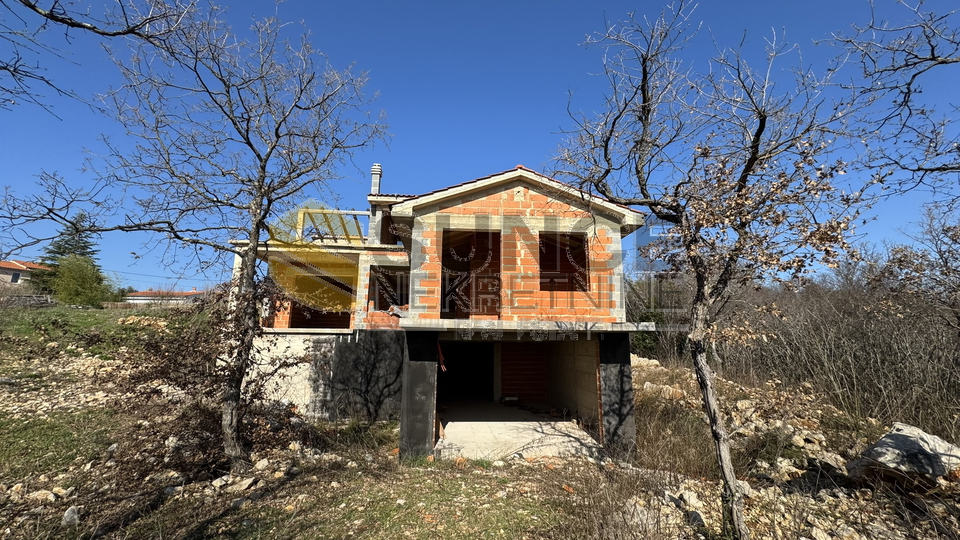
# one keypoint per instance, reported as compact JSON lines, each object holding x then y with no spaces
{"x":376,"y":172}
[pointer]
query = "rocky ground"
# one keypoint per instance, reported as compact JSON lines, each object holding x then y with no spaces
{"x":797,"y":483}
{"x":152,"y":471}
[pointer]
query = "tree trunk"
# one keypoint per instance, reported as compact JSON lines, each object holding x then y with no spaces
{"x":732,"y":498}
{"x":230,"y":423}
{"x":244,"y":324}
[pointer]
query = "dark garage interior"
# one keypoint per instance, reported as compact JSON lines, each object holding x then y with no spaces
{"x":468,"y":375}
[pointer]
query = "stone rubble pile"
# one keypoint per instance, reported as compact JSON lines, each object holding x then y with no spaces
{"x":157,"y":323}
{"x":71,"y":379}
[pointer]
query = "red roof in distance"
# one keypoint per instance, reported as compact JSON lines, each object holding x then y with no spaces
{"x":167,"y":294}
{"x":23,"y":265}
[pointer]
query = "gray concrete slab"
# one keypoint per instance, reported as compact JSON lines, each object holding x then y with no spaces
{"x":494,"y":431}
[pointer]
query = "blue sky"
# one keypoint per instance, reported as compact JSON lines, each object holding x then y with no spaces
{"x":469,"y":89}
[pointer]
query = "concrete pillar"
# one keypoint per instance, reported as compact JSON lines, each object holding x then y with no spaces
{"x":235,"y":281}
{"x":616,"y":393}
{"x":418,"y":402}
{"x":497,"y":373}
{"x":374,"y":225}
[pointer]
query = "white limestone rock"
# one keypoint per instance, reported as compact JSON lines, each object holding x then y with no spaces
{"x":909,"y":457}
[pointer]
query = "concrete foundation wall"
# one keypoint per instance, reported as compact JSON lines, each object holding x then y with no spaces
{"x":293,"y":384}
{"x":335,"y":377}
{"x":362,"y":377}
{"x":389,"y":374}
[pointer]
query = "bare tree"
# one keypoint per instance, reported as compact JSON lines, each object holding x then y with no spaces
{"x":25,"y":24}
{"x":930,"y":267}
{"x":741,"y":162}
{"x":227,"y":132}
{"x":909,"y":131}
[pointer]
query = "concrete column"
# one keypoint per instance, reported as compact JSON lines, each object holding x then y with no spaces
{"x":497,"y":373}
{"x":374,"y":225}
{"x":418,"y":403}
{"x":361,"y":304}
{"x":418,"y":259}
{"x":235,"y":282}
{"x":616,"y":393}
{"x":619,"y":294}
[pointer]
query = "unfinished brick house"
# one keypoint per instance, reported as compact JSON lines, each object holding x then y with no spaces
{"x":507,"y":288}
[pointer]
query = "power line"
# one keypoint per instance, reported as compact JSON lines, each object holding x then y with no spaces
{"x":155,"y":276}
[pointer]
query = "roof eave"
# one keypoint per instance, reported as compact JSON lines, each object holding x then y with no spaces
{"x":627,"y":216}
{"x":386,"y":199}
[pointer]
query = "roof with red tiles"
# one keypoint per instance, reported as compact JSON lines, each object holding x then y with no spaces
{"x":23,"y":265}
{"x":34,"y":266}
{"x":163,"y":294}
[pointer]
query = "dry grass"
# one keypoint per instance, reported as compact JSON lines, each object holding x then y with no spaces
{"x":672,"y":437}
{"x":409,"y":502}
{"x":378,"y":497}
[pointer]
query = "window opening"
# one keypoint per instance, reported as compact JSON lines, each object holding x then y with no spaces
{"x":389,"y":286}
{"x":563,"y":262}
{"x":470,"y":276}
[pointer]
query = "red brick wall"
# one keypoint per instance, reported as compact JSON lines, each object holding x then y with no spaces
{"x":521,"y":297}
{"x":281,"y":315}
{"x":381,"y":320}
{"x":288,"y":314}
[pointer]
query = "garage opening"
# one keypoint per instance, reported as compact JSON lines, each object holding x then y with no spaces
{"x":467,"y":372}
{"x":557,"y":378}
{"x":516,"y":397}
{"x":497,"y":399}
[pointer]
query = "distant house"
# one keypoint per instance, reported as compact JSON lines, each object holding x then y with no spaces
{"x":164,"y":298}
{"x":18,"y":272}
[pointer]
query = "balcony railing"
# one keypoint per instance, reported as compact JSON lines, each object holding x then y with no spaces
{"x":331,"y":226}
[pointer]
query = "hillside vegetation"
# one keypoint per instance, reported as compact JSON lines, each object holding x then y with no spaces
{"x":101,"y":439}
